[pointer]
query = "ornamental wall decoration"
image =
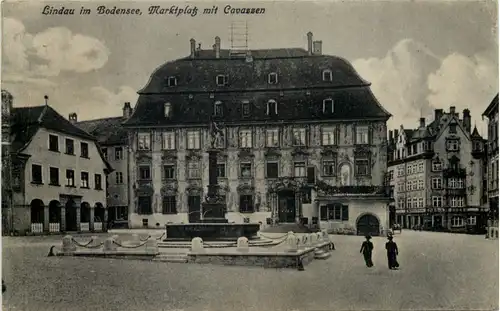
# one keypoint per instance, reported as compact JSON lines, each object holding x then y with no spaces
{"x":169,"y":155}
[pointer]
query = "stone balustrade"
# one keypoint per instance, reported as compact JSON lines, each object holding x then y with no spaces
{"x":197,"y":245}
{"x":68,"y":245}
{"x":242,"y":244}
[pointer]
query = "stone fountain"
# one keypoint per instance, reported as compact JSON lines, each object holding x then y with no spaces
{"x":213,"y":224}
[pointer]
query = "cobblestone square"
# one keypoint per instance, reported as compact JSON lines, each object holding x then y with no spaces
{"x":439,"y":271}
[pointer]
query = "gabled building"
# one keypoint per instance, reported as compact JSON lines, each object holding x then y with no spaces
{"x":113,"y":139}
{"x":58,"y":174}
{"x":438,"y":172}
{"x":304,"y":140}
{"x":492,"y":148}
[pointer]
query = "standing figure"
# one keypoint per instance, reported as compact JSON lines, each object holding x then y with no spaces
{"x":367,"y":249}
{"x":217,"y":136}
{"x":392,"y":253}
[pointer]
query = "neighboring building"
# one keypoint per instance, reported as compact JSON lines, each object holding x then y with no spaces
{"x":113,"y":139}
{"x":58,"y":174}
{"x":305,"y":140}
{"x":6,"y":163}
{"x":492,"y":148}
{"x":438,"y":172}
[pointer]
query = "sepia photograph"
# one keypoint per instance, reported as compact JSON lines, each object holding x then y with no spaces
{"x":250,"y":155}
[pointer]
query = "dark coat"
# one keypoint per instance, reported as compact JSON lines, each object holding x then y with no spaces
{"x":366,"y":247}
{"x":391,"y":247}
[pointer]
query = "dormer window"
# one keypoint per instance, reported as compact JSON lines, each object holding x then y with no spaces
{"x":272,"y":78}
{"x":218,"y":111}
{"x":221,"y":80}
{"x":328,"y":106}
{"x":272,"y":107}
{"x":172,"y":81}
{"x":167,"y":110}
{"x":245,"y":108}
{"x":327,"y":75}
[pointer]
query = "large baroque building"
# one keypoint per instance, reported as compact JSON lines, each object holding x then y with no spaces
{"x":58,"y":174}
{"x":305,"y":140}
{"x":492,"y":148}
{"x":437,"y":171}
{"x":113,"y":139}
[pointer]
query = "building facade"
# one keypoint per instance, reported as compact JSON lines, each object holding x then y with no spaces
{"x":437,"y":171}
{"x":113,"y":139}
{"x":58,"y":174}
{"x":492,"y":149}
{"x":304,"y":140}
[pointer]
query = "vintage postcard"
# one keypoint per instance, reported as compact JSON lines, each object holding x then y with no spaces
{"x":250,"y":155}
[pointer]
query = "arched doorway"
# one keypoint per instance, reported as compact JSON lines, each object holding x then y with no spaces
{"x":286,"y":206}
{"x":98,"y":216}
{"x":368,"y":224}
{"x":85,"y":216}
{"x":71,"y":222}
{"x":54,"y":216}
{"x":37,"y":215}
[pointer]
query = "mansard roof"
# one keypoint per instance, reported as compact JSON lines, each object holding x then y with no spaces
{"x":299,"y":91}
{"x":349,"y":104}
{"x":294,"y":67}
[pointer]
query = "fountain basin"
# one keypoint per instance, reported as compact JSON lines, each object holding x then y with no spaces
{"x":211,"y":231}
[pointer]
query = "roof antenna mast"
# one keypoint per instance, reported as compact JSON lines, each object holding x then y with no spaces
{"x":239,"y":38}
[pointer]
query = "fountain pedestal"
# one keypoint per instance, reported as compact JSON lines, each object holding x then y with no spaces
{"x":213,"y":224}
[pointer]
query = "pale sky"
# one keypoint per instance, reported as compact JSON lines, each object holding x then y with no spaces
{"x":419,"y":56}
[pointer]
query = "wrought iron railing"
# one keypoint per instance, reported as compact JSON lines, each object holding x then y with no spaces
{"x":346,"y":190}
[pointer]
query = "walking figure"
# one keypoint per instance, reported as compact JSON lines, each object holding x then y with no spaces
{"x":366,"y":249}
{"x":392,"y":253}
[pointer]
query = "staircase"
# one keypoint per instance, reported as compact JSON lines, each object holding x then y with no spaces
{"x":285,"y":228}
{"x":321,"y":254}
{"x":166,"y":257}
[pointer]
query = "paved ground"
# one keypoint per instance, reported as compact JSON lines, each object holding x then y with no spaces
{"x":438,"y":271}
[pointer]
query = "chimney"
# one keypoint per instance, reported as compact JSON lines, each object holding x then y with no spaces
{"x":317,"y":47}
{"x":309,"y":43}
{"x":193,"y":47}
{"x":73,"y":118}
{"x":127,"y":110}
{"x":199,"y":47}
{"x":466,"y":120}
{"x":438,"y":113}
{"x":217,"y":47}
{"x":452,"y":110}
{"x":422,"y":122}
